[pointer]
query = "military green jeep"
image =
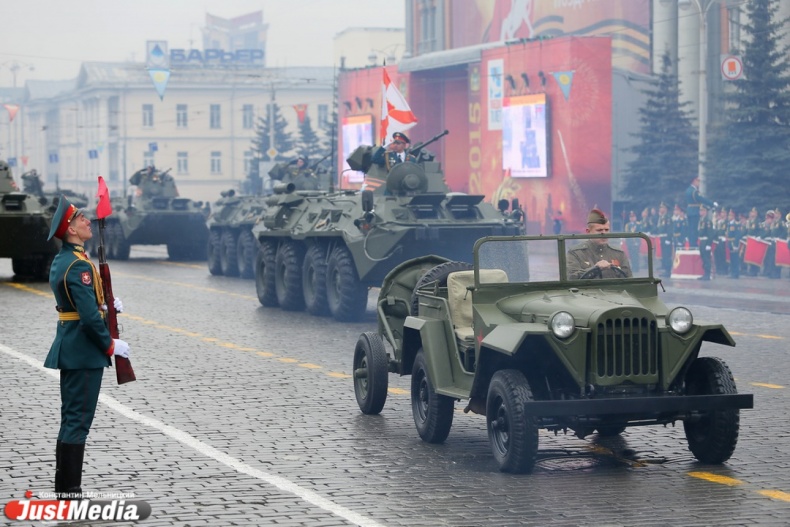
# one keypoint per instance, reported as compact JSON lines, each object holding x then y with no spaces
{"x":539,"y":333}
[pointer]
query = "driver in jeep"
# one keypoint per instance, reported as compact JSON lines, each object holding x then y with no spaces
{"x":595,"y":258}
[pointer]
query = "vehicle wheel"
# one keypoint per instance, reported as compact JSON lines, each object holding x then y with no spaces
{"x":512,"y":433}
{"x":288,"y":276}
{"x":713,"y":437}
{"x":439,"y":273}
{"x":314,"y":280}
{"x":213,"y":250}
{"x":227,"y":255}
{"x":43,"y":264}
{"x":264,"y":274}
{"x":246,"y":249}
{"x":433,"y":413}
{"x":370,"y":373}
{"x":20,"y":266}
{"x":610,"y":430}
{"x":122,"y":247}
{"x":346,"y":296}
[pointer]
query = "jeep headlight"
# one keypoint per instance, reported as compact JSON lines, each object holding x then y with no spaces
{"x":562,"y":324}
{"x":680,"y":320}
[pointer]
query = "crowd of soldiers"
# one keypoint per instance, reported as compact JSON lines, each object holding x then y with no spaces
{"x":720,"y":234}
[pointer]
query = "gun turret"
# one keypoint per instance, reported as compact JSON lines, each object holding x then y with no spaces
{"x":416,"y":150}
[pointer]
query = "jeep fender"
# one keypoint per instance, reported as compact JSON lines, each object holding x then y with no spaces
{"x":431,"y":336}
{"x":717,"y":334}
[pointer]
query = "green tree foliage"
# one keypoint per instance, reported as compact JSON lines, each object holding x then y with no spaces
{"x":749,"y":151}
{"x":309,"y":143}
{"x":666,"y":150}
{"x":283,"y":141}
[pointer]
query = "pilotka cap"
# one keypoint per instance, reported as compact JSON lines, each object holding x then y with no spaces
{"x":596,"y":216}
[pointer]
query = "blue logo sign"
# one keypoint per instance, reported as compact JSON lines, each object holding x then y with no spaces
{"x":153,"y":147}
{"x":53,"y":157}
{"x":12,"y":162}
{"x":252,"y":57}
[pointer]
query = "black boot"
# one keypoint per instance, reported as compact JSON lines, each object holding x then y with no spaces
{"x":58,"y":469}
{"x":71,"y":456}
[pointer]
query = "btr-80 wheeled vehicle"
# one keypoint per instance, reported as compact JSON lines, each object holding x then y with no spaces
{"x":25,"y":219}
{"x":530,"y":347}
{"x":156,"y":215}
{"x":323,"y":250}
{"x":232,"y":248}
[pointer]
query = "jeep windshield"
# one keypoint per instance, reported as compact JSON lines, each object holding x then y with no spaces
{"x":582,"y":257}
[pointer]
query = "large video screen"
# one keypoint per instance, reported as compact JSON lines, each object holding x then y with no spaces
{"x":525,"y":149}
{"x":357,"y":130}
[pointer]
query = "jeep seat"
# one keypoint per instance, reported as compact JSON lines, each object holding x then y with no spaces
{"x":459,"y":299}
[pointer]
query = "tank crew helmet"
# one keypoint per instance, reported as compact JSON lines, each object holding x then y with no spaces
{"x":597,"y":216}
{"x":64,"y":215}
{"x":400,"y":136}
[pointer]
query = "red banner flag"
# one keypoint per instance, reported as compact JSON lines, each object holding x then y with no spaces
{"x":396,"y":116}
{"x":103,"y":207}
{"x":756,"y":249}
{"x":782,"y":253}
{"x":11,"y":109}
{"x":301,"y":112}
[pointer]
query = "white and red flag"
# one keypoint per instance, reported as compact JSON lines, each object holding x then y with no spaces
{"x":396,"y":116}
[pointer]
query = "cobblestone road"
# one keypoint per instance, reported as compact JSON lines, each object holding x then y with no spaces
{"x":243,"y":415}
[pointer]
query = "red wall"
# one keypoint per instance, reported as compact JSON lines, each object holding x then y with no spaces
{"x":471,"y":155}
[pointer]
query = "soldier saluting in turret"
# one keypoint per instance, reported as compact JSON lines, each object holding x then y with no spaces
{"x":394,"y":153}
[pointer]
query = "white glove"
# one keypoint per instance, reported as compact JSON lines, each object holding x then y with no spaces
{"x":716,"y":204}
{"x":118,"y":305}
{"x":121,"y":349}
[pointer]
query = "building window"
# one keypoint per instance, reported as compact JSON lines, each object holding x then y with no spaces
{"x":181,"y":115}
{"x":148,"y":159}
{"x":248,"y":158}
{"x":183,"y":162}
{"x":216,"y":162}
{"x":427,"y":22}
{"x":247,"y":116}
{"x":148,"y":115}
{"x":323,"y":116}
{"x":215,"y":117}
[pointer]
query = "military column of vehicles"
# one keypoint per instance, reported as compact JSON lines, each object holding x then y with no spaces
{"x":322,"y":250}
{"x":25,"y":219}
{"x":156,"y":215}
{"x":231,"y":245}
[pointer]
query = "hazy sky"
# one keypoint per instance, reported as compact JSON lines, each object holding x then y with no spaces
{"x":55,"y":36}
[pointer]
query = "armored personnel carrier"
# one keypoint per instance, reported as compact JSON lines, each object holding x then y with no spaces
{"x":323,"y":250}
{"x":231,"y":245}
{"x":25,"y":219}
{"x":156,"y":215}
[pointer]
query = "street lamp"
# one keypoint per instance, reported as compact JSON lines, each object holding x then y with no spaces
{"x":703,"y":7}
{"x":14,"y":67}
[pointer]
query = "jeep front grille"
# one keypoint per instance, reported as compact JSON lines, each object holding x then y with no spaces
{"x":626,"y":348}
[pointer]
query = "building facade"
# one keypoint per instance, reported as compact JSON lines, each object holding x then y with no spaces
{"x":110,"y":121}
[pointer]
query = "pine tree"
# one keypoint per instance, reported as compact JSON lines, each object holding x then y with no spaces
{"x":749,"y":152}
{"x":283,"y":142}
{"x":666,"y":152}
{"x":309,"y":143}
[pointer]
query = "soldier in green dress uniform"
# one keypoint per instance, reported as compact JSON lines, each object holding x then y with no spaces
{"x":735,"y":231}
{"x":706,"y":234}
{"x":664,"y":233}
{"x":83,"y":345}
{"x":634,"y":244}
{"x":595,"y":258}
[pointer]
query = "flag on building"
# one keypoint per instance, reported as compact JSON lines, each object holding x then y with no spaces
{"x":11,"y":109}
{"x":396,"y":116}
{"x":301,"y":112}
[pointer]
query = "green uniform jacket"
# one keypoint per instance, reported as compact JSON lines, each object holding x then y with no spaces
{"x":83,"y":343}
{"x":584,"y":257}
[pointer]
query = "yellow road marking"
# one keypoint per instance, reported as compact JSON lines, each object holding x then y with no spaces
{"x":288,"y":360}
{"x":265,"y":354}
{"x":716,"y":478}
{"x":339,"y":375}
{"x":177,"y":264}
{"x":29,"y":289}
{"x":760,"y":336}
{"x":775,"y":494}
{"x":397,"y":391}
{"x":766,"y":385}
{"x":310,"y":366}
